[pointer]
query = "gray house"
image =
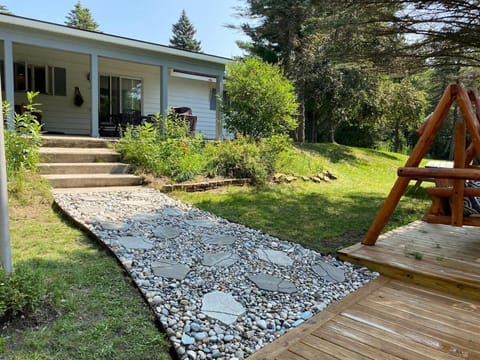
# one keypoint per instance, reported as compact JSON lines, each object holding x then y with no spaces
{"x":113,"y":75}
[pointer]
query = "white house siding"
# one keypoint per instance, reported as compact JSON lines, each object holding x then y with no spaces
{"x":149,"y":75}
{"x":194,"y":94}
{"x":59,"y":112}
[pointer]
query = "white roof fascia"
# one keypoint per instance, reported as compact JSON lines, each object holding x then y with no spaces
{"x":108,"y":38}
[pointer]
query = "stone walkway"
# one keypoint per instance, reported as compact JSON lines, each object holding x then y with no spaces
{"x":220,"y":289}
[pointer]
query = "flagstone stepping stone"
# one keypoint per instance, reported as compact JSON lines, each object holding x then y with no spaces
{"x":139,"y":203}
{"x":170,"y":269}
{"x":219,"y":240}
{"x":201,"y":223}
{"x":90,"y":198}
{"x":113,"y":226}
{"x":273,"y":283}
{"x":274,"y":256}
{"x":170,"y":211}
{"x":222,"y":306}
{"x":167,"y":232}
{"x":93,"y":209}
{"x":329,"y":272}
{"x":221,"y":259}
{"x":145,"y":218}
{"x":134,"y":242}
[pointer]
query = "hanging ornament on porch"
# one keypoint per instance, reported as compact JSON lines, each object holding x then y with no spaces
{"x":78,"y":99}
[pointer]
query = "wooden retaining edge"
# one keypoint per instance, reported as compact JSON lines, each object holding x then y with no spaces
{"x":203,"y":186}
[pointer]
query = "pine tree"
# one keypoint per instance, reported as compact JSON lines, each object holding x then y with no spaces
{"x":183,"y":35}
{"x":80,"y":17}
{"x":4,"y":10}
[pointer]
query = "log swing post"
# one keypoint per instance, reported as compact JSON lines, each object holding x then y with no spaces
{"x":458,"y":163}
{"x":429,"y":132}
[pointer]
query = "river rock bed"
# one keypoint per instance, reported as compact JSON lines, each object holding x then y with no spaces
{"x":220,"y":289}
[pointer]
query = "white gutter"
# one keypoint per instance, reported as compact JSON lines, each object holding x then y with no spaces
{"x":37,"y":25}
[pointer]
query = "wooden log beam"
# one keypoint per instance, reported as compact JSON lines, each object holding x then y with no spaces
{"x":469,"y":116}
{"x":444,"y":219}
{"x":418,"y":152}
{"x":448,"y":191}
{"x":440,"y":173}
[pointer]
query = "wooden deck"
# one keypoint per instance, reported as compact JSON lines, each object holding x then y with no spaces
{"x":425,"y":305}
{"x":442,"y":257}
{"x":387,"y":319}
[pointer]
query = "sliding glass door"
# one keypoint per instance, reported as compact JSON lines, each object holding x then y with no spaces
{"x":118,"y":95}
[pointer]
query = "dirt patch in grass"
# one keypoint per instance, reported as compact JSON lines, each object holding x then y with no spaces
{"x":12,"y":327}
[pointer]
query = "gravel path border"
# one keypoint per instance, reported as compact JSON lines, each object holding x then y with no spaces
{"x":220,"y":289}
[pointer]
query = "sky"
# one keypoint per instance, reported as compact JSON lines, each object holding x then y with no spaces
{"x":148,"y":20}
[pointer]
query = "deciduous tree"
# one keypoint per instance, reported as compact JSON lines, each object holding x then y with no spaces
{"x":261,"y":100}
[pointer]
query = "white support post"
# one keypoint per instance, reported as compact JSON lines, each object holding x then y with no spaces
{"x":5,"y":251}
{"x":164,"y":92}
{"x":9,"y":77}
{"x":94,"y":92}
{"x":219,"y":116}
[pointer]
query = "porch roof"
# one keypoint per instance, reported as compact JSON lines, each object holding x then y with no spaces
{"x":59,"y":29}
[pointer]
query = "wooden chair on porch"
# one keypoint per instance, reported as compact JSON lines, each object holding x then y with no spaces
{"x":451,"y":184}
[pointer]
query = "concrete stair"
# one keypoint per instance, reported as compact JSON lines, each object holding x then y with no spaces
{"x":78,"y":162}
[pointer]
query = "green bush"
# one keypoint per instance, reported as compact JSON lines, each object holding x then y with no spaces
{"x":245,"y":158}
{"x":21,"y":291}
{"x":261,"y":100}
{"x":23,"y":142}
{"x":164,"y":148}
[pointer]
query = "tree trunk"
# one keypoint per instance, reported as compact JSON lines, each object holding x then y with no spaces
{"x":301,"y":119}
{"x":396,"y":136}
{"x":333,"y":129}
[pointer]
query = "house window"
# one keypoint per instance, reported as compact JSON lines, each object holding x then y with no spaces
{"x":41,"y":78}
{"x":59,"y":81}
{"x":213,"y":99}
{"x":20,"y":74}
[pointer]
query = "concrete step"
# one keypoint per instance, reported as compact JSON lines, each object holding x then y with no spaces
{"x":92,"y":180}
{"x":83,"y":168}
{"x":75,"y":141}
{"x":77,"y":155}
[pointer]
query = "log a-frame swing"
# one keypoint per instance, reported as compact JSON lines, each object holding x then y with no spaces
{"x":448,"y":195}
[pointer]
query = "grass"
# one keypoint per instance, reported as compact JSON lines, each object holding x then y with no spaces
{"x":92,"y":310}
{"x":325,"y":216}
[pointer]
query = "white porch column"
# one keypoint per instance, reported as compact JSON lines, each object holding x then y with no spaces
{"x":219,"y":124}
{"x":164,"y":91}
{"x":9,"y":85}
{"x":94,"y":92}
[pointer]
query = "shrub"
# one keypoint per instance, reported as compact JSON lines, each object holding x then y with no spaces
{"x":261,"y":100}
{"x":245,"y":158}
{"x":23,"y":142}
{"x":21,"y":291}
{"x":164,"y":148}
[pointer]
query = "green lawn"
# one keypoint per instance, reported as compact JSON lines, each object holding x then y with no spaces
{"x":92,"y":310}
{"x":324,"y":216}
